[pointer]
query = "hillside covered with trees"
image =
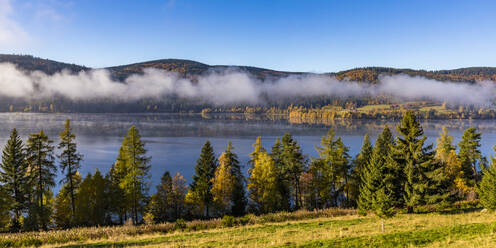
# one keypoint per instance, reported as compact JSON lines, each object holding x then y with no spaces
{"x":191,"y":68}
{"x":371,"y":74}
{"x":367,"y":107}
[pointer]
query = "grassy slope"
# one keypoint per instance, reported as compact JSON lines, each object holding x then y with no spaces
{"x":420,"y":230}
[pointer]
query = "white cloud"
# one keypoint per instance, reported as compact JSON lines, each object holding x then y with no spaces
{"x":231,"y":87}
{"x":11,"y":33}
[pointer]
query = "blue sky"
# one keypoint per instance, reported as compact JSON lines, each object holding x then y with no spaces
{"x":316,"y":36}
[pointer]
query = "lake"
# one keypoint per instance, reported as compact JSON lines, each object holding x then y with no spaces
{"x":174,"y":140}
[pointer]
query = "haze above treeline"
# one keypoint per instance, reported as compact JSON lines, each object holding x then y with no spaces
{"x":174,"y":85}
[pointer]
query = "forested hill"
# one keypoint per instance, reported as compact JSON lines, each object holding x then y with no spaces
{"x":371,"y":74}
{"x":191,"y":69}
{"x":304,"y":108}
{"x":30,"y":63}
{"x":185,"y":68}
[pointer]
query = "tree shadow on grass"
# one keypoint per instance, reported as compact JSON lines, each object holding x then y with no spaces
{"x":117,"y":244}
{"x":452,"y":211}
{"x":417,"y":238}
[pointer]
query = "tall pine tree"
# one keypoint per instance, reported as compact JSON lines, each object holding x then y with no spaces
{"x":42,"y":169}
{"x":487,"y":187}
{"x":70,"y":161}
{"x":282,"y":184}
{"x":330,"y":172}
{"x":167,"y":204}
{"x":5,"y":205}
{"x":238,"y":197}
{"x":383,"y":203}
{"x":199,"y":191}
{"x":376,"y":174}
{"x":14,"y":177}
{"x":470,"y":155}
{"x":359,"y":165}
{"x":417,"y":161}
{"x":161,"y":202}
{"x":293,"y":165}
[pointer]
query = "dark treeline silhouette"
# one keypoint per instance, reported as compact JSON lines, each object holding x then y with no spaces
{"x":393,"y":174}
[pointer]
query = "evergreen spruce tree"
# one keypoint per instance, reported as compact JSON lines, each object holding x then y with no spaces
{"x":470,"y":155}
{"x":394,"y":172}
{"x":342,"y":161}
{"x":487,"y":186}
{"x":437,"y":185}
{"x":238,"y":197}
{"x":14,"y":177}
{"x":330,"y":171}
{"x":417,"y":161}
{"x":70,"y":161}
{"x":376,"y":173}
{"x":364,"y":155}
{"x":167,"y":204}
{"x":5,"y":206}
{"x":383,"y":204}
{"x":359,"y":165}
{"x":294,"y":164}
{"x":318,"y":191}
{"x":42,"y":169}
{"x":202,"y":180}
{"x":276,"y":151}
{"x":161,"y":201}
{"x":282,"y":184}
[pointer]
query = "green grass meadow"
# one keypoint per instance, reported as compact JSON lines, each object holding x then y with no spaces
{"x":472,"y":229}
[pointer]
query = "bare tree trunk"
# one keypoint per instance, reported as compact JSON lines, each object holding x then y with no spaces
{"x":409,"y":209}
{"x":382,"y":225}
{"x":206,"y":209}
{"x":296,"y":188}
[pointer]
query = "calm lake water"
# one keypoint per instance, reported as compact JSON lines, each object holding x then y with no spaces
{"x":174,"y":140}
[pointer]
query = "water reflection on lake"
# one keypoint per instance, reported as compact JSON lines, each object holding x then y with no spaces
{"x":174,"y":140}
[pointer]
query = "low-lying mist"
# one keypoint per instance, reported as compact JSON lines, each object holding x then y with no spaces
{"x":231,"y":87}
